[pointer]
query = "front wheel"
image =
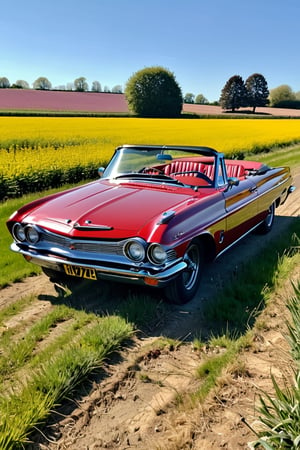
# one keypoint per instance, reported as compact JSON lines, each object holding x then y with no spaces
{"x":184,"y":287}
{"x":267,"y":224}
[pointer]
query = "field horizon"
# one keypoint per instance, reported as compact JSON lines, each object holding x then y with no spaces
{"x":106,"y":102}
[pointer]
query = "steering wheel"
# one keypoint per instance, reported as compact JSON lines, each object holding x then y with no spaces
{"x":151,"y":170}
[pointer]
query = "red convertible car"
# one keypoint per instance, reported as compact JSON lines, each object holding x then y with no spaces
{"x":153,"y":218}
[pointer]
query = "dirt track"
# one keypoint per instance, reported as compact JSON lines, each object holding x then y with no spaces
{"x":133,"y":405}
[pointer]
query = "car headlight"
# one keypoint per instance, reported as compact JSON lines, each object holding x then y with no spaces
{"x":134,"y":250}
{"x":32,"y":234}
{"x":18,"y":232}
{"x":157,"y":254}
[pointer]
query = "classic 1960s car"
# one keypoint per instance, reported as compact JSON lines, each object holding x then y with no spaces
{"x":154,"y":218}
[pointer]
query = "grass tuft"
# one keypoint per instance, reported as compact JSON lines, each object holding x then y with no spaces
{"x":31,"y":399}
{"x":280,"y":414}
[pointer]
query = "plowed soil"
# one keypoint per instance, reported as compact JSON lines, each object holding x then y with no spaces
{"x":135,"y":403}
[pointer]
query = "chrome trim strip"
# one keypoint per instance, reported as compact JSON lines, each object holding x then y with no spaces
{"x":238,"y":240}
{"x":92,"y":227}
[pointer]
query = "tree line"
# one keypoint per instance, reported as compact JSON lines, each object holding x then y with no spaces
{"x":236,"y":93}
{"x":254,"y":92}
{"x":42,"y":83}
{"x":154,"y":92}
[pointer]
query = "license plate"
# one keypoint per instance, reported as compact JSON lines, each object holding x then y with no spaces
{"x":80,"y":272}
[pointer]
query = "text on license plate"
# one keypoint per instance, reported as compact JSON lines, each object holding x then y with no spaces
{"x":81,"y":272}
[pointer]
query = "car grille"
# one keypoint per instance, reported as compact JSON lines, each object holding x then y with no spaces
{"x":92,"y":247}
{"x":115,"y":248}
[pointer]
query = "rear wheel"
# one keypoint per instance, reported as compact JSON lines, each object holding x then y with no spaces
{"x":185,"y":286}
{"x":267,"y":224}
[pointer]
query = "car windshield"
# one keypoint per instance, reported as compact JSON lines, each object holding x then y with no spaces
{"x":171,"y":165}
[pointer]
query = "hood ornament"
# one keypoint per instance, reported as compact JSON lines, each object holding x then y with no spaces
{"x":90,"y":227}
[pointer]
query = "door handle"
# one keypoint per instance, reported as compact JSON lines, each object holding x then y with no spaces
{"x":253,"y":189}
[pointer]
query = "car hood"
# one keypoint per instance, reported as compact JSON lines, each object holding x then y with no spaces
{"x":108,"y":209}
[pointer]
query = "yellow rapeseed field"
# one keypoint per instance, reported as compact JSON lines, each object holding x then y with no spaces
{"x":35,"y":143}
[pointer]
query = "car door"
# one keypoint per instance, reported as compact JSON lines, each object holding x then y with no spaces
{"x":241,"y":209}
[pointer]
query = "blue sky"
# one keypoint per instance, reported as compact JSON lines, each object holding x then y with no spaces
{"x":202,"y":42}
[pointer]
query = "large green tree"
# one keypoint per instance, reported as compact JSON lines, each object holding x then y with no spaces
{"x":257,"y":90}
{"x":234,"y":94}
{"x":189,"y":98}
{"x":42,"y":83}
{"x":81,"y":85}
{"x":117,"y":89}
{"x":21,"y":84}
{"x":282,"y":93}
{"x":4,"y":83}
{"x":96,"y":86}
{"x":154,"y":92}
{"x":201,"y":100}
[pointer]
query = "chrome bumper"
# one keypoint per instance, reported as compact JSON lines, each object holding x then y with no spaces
{"x":135,"y":276}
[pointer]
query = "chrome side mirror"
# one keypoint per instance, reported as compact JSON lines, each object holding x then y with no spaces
{"x":101,"y":171}
{"x":232,"y":181}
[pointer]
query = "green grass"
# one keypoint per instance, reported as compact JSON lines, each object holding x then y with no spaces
{"x":241,"y":300}
{"x":45,"y":359}
{"x":13,"y":267}
{"x":213,"y":366}
{"x":281,"y":417}
{"x":14,"y":308}
{"x":234,"y":311}
{"x":18,"y":351}
{"x":280,"y":413}
{"x":280,"y":156}
{"x":210,"y":371}
{"x":30,"y":400}
{"x":294,"y":327}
